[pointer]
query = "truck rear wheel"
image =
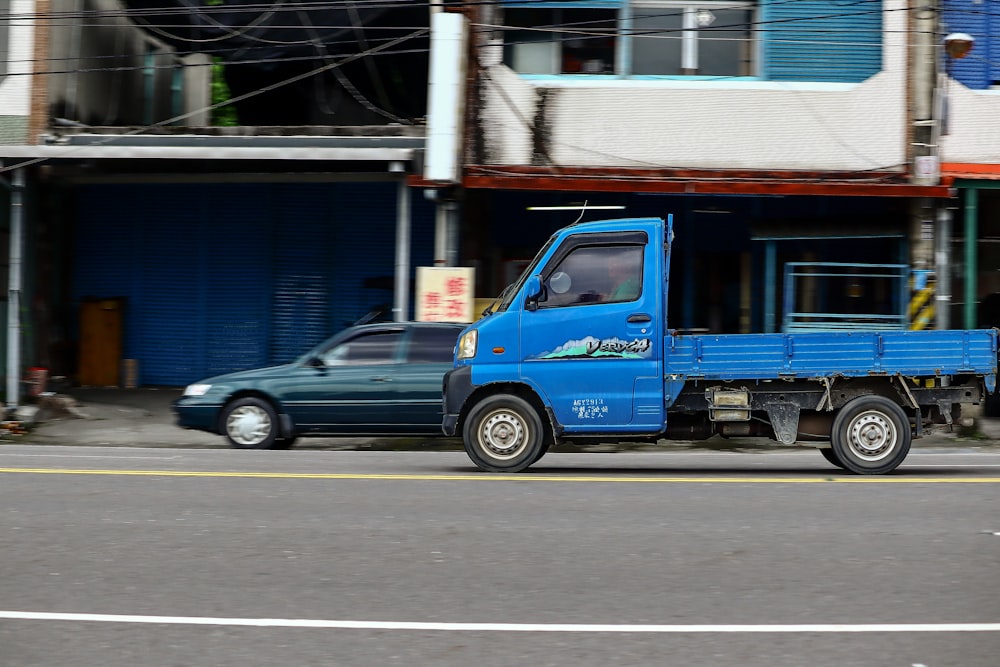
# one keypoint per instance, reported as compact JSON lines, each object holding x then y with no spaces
{"x":871,"y":435}
{"x":503,"y":433}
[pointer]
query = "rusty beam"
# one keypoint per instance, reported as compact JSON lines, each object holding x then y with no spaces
{"x":986,"y":172}
{"x":695,"y":181}
{"x":759,"y":186}
{"x":689,"y":174}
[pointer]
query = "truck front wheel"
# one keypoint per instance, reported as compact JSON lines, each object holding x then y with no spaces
{"x":871,"y":435}
{"x":503,"y":433}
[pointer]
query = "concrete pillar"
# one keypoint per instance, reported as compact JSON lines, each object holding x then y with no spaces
{"x":14,"y":293}
{"x":401,"y":288}
{"x":970,"y":316}
{"x":942,"y":269}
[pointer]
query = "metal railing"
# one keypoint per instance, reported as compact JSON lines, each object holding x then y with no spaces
{"x":836,"y":296}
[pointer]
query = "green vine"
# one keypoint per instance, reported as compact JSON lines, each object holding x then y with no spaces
{"x":224,"y":116}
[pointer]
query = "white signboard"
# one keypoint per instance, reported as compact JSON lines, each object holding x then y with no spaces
{"x":445,"y":293}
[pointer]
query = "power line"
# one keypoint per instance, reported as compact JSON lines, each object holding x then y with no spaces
{"x":239,"y":98}
{"x":384,"y":49}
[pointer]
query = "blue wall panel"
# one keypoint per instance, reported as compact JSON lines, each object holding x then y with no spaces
{"x":225,"y":277}
{"x":981,"y":67}
{"x":820,"y":40}
{"x":366,"y":211}
{"x":302,"y":242}
{"x":234,"y":252}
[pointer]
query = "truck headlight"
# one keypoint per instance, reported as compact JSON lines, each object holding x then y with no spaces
{"x":468,"y":344}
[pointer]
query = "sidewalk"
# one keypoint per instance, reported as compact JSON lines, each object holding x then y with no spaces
{"x":114,"y":417}
{"x":109,"y":416}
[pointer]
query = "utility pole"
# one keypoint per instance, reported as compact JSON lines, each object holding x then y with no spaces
{"x":922,"y":90}
{"x":925,"y":118}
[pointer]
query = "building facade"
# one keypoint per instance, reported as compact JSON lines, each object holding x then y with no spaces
{"x":970,"y":154}
{"x":781,"y":136}
{"x":169,"y":243}
{"x":789,"y":140}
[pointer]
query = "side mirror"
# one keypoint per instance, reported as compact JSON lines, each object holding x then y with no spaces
{"x":532,"y":291}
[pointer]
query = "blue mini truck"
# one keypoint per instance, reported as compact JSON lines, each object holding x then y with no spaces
{"x":565,"y":354}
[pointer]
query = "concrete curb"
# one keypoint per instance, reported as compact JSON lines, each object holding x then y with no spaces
{"x":144,"y":418}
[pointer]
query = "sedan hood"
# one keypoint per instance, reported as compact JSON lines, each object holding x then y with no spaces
{"x":252,"y":374}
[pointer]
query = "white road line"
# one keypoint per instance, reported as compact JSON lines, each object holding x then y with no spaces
{"x":503,"y":627}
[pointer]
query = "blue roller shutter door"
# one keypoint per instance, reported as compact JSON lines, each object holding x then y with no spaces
{"x":225,"y":277}
{"x":235,"y":295}
{"x":819,"y":40}
{"x":365,"y":249}
{"x":336,"y":258}
{"x":190,"y":263}
{"x":302,"y":237}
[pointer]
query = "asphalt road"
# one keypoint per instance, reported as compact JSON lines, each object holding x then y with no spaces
{"x":169,"y":557}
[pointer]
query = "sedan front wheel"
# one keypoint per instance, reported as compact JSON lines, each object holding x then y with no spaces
{"x":251,"y":423}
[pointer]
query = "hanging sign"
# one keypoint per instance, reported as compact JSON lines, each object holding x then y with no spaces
{"x":445,"y":293}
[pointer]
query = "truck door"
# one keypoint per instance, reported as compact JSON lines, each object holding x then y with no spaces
{"x":592,"y":342}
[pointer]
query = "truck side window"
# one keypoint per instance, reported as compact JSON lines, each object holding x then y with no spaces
{"x":595,"y":274}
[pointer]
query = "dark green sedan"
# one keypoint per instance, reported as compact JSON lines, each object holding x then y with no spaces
{"x":373,"y":379}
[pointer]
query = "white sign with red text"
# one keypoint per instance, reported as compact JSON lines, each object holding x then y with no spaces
{"x":445,"y":293}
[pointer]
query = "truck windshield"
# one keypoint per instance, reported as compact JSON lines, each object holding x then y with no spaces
{"x":507,"y":296}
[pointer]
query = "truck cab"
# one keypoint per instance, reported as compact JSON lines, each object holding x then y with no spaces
{"x":581,"y":330}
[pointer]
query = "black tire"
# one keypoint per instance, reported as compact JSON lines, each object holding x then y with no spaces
{"x":871,"y":435}
{"x":542,"y":451}
{"x":503,"y":433}
{"x":250,"y":423}
{"x":284,"y":443}
{"x":831,"y":456}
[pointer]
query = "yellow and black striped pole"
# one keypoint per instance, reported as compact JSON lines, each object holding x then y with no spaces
{"x":921,"y":301}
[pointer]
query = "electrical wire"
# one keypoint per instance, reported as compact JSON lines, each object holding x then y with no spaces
{"x":276,"y":7}
{"x":239,"y":98}
{"x":269,"y":10}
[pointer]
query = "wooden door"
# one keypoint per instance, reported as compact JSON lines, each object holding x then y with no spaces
{"x":101,"y":322}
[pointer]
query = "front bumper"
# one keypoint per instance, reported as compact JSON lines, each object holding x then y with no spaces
{"x":193,"y":414}
{"x":455,"y":390}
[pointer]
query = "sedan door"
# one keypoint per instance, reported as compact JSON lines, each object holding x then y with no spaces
{"x":429,"y":354}
{"x":349,"y":387}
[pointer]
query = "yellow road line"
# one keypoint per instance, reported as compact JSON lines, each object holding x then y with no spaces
{"x":523,"y":477}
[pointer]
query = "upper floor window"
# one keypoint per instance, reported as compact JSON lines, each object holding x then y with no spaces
{"x":642,"y":37}
{"x":709,"y":39}
{"x":560,"y":40}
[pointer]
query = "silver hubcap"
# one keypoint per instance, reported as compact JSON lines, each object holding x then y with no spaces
{"x":248,"y":425}
{"x":872,"y":436}
{"x":503,"y":434}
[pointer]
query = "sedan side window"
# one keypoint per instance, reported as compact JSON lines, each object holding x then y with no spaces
{"x":367,"y":350}
{"x":432,"y":345}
